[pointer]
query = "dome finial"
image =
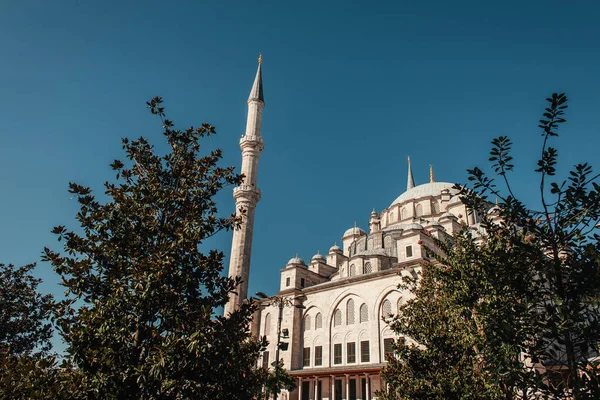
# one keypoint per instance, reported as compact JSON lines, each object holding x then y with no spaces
{"x":410,"y":182}
{"x":496,"y":201}
{"x":431,"y":180}
{"x":260,"y":58}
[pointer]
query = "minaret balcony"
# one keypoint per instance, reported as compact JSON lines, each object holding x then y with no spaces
{"x":252,"y":142}
{"x":247,"y":192}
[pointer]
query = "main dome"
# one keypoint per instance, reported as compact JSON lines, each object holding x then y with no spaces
{"x":425,"y":190}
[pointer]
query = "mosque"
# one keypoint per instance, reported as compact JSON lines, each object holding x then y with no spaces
{"x":331,"y":311}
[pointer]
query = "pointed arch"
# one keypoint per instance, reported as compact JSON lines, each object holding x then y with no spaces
{"x":403,"y":213}
{"x":352,"y":270}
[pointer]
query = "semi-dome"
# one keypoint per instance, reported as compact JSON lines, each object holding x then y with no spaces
{"x":425,"y":190}
{"x":335,"y":249}
{"x":296,"y":261}
{"x":318,"y":258}
{"x":354,"y":231}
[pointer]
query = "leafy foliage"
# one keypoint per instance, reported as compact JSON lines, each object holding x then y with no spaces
{"x":25,"y":332}
{"x":512,"y":312}
{"x":139,"y":319}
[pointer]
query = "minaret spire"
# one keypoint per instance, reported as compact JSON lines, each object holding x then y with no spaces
{"x":256,"y":93}
{"x":411,"y":182}
{"x":247,"y":194}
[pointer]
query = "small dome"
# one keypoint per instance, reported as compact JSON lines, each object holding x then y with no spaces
{"x":447,"y":215}
{"x":354,"y":231}
{"x":335,"y":249}
{"x":413,"y":226}
{"x":296,"y":261}
{"x":318,"y":258}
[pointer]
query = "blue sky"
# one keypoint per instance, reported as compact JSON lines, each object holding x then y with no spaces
{"x":351,"y":89}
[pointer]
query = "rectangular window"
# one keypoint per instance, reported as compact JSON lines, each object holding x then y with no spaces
{"x":365,"y":355}
{"x":387,"y":346}
{"x":306,"y":357}
{"x":265,"y":359}
{"x":408,"y":251}
{"x":318,"y":355}
{"x":301,"y":282}
{"x":350,"y":353}
{"x":287,"y":281}
{"x":337,"y":353}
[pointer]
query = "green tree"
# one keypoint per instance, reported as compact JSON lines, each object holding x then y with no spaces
{"x":525,"y":290}
{"x":27,"y":369}
{"x":140,"y":321}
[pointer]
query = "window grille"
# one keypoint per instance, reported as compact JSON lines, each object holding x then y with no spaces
{"x":337,"y":317}
{"x":367,"y":269}
{"x":268,"y":324}
{"x":306,"y":357}
{"x":350,"y":353}
{"x":364,"y":313}
{"x":319,"y":355}
{"x":386,"y":308}
{"x":365,"y":354}
{"x":350,"y":312}
{"x":307,"y":323}
{"x":319,"y":321}
{"x":337,"y":353}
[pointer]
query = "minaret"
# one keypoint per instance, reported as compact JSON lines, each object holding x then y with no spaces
{"x":247,"y":194}
{"x":411,"y":182}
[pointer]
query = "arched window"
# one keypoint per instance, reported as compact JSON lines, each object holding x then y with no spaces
{"x":419,"y":210}
{"x":364,"y":313}
{"x":391,"y":218}
{"x":435,"y":206}
{"x":268,"y":324}
{"x":386,"y":308}
{"x":307,"y":323}
{"x":399,"y":304}
{"x":318,"y":321}
{"x":352,"y":270}
{"x":367,"y":269}
{"x":350,"y":312}
{"x":337,"y":317}
{"x":403,"y":213}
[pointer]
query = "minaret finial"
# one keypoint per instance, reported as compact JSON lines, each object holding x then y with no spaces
{"x":496,"y":201}
{"x":256,"y":93}
{"x":431,"y":180}
{"x":260,"y":58}
{"x":410,"y":182}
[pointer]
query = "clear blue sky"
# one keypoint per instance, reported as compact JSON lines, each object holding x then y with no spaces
{"x":351,"y":89}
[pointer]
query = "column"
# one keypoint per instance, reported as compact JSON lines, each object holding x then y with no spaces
{"x":316,"y":395}
{"x":332,"y":395}
{"x":300,"y":388}
{"x":367,"y":395}
{"x":347,"y":387}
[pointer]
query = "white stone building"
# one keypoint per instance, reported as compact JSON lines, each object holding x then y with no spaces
{"x":339,"y":339}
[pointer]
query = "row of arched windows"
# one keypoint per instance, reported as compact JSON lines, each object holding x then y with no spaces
{"x":435,"y":209}
{"x":366,"y":269}
{"x":363,"y":314}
